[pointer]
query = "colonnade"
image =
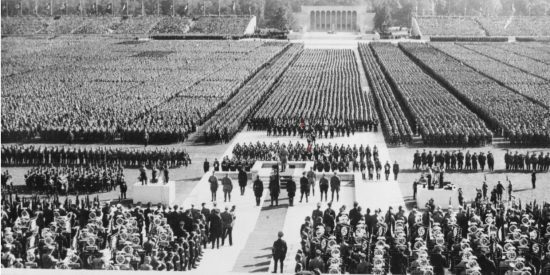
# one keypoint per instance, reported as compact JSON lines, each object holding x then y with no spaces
{"x":333,"y":21}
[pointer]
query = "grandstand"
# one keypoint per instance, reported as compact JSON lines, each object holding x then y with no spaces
{"x":465,"y":26}
{"x":233,"y":26}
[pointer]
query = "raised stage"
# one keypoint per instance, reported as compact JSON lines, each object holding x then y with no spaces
{"x":154,"y":193}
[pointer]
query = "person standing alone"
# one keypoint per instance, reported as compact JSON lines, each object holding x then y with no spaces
{"x":279,"y":252}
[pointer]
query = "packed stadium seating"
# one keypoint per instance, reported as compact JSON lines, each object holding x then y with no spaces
{"x":516,"y":25}
{"x":72,"y":24}
{"x":449,"y":26}
{"x":462,"y":27}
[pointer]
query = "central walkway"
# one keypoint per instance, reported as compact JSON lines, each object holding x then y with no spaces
{"x":256,"y":227}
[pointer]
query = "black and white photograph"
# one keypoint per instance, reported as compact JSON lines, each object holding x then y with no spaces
{"x":301,"y":137}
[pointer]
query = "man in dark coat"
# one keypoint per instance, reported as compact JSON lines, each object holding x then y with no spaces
{"x":258,"y":188}
{"x":534,"y":178}
{"x":291,"y":189}
{"x":227,"y":222}
{"x":323,"y":186}
{"x":216,"y":228}
{"x":274,"y":189}
{"x":304,"y":187}
{"x":490,"y":161}
{"x":335,"y":187}
{"x":438,"y":262}
{"x":206,"y":165}
{"x":243,"y":178}
{"x":216,"y":165}
{"x":395,"y":170}
{"x":213,"y":185}
{"x":279,"y":252}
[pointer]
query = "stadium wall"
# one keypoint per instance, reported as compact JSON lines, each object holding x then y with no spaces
{"x":251,"y":28}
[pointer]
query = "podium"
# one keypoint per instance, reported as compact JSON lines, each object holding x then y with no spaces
{"x":154,"y":193}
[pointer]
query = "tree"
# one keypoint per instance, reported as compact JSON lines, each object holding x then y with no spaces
{"x":278,"y":15}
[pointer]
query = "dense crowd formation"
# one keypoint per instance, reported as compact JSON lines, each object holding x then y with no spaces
{"x":527,"y":162}
{"x":153,"y":102}
{"x":506,"y":112}
{"x":321,"y":89}
{"x":326,"y":157}
{"x":514,"y":78}
{"x":454,"y":160}
{"x":449,"y":26}
{"x":15,"y":155}
{"x":395,"y":126}
{"x":439,"y":117}
{"x":226,"y":25}
{"x":532,"y":67}
{"x":75,"y":180}
{"x":467,"y":26}
{"x":534,"y":51}
{"x":83,"y":234}
{"x":484,"y":238}
{"x":227,"y":121}
{"x":516,"y":25}
{"x":72,"y":24}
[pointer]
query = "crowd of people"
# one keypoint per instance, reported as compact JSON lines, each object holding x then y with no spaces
{"x":315,"y":128}
{"x":527,"y":161}
{"x":483,"y":89}
{"x":481,"y":238}
{"x":43,"y":232}
{"x":75,"y":179}
{"x":453,"y":160}
{"x":327,"y":82}
{"x":32,"y":155}
{"x":395,"y":124}
{"x":326,"y":157}
{"x":229,"y":119}
{"x":166,"y":105}
{"x":458,"y":161}
{"x":437,"y":115}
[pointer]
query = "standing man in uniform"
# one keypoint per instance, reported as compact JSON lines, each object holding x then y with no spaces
{"x":335,"y":187}
{"x":323,"y":186}
{"x":304,"y":187}
{"x":279,"y":251}
{"x":206,"y":166}
{"x":213,"y":185}
{"x":534,"y":178}
{"x":258,"y":188}
{"x":274,"y":189}
{"x":311,"y":178}
{"x":395,"y":170}
{"x":227,"y":221}
{"x":387,"y":168}
{"x":227,"y":188}
{"x":243,"y":179}
{"x":291,"y":189}
{"x":283,"y":155}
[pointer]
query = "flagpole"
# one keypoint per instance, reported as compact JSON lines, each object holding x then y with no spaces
{"x":158,"y":7}
{"x":219,"y":8}
{"x":51,"y":7}
{"x":173,"y":8}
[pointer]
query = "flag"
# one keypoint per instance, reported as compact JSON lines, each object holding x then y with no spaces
{"x":124,"y":6}
{"x":234,"y":7}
